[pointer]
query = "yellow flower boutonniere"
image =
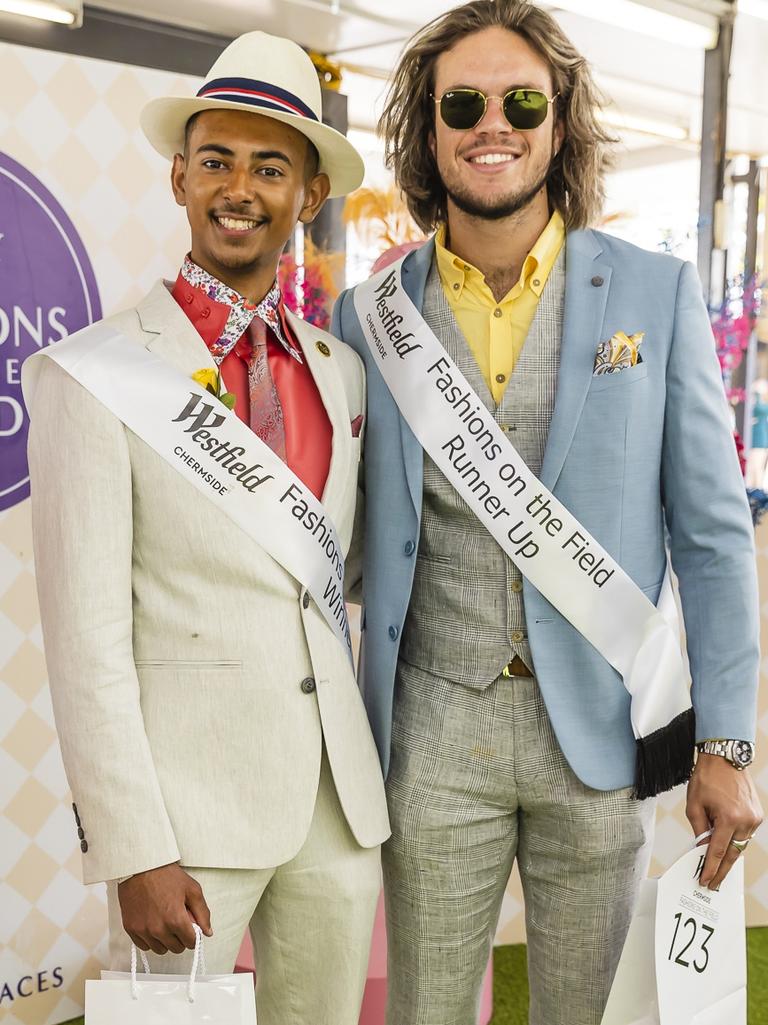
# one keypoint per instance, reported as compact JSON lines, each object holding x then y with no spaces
{"x":210,"y":379}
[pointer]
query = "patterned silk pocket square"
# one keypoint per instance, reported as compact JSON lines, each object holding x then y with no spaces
{"x":357,"y":426}
{"x":620,"y":353}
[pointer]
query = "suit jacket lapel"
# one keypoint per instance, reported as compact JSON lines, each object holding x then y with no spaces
{"x":330,"y":384}
{"x":585,"y":304}
{"x":415,"y":272}
{"x":171,"y":334}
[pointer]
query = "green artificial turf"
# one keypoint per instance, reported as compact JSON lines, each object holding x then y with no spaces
{"x":510,"y":984}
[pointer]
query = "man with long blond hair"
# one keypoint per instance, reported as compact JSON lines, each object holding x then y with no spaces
{"x":580,"y":371}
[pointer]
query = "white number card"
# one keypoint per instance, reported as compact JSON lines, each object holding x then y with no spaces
{"x":700,"y":946}
{"x":684,"y":961}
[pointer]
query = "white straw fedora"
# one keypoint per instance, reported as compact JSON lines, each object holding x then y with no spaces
{"x":265,"y":75}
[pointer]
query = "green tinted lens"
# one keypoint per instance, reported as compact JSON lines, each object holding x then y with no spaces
{"x":462,"y":108}
{"x":525,"y":109}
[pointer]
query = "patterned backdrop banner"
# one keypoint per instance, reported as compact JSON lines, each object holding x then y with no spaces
{"x":47,"y":291}
{"x":80,"y":191}
{"x":71,"y":125}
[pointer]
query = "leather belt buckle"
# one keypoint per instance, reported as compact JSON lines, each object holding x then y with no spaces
{"x":516,"y":668}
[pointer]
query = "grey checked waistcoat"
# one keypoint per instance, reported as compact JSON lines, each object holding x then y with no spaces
{"x":466,"y":619}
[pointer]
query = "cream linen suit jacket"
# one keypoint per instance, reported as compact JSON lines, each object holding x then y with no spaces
{"x":177,"y":647}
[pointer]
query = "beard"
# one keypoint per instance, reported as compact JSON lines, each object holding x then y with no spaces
{"x":496,"y":208}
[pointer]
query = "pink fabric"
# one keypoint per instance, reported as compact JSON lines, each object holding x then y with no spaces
{"x":394,"y":254}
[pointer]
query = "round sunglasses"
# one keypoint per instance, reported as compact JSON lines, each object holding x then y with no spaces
{"x":524,"y":109}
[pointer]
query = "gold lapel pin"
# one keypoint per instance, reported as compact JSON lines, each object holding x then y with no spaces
{"x":323,"y":349}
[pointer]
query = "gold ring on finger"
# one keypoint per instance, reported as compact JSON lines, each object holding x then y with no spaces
{"x":740,"y":845}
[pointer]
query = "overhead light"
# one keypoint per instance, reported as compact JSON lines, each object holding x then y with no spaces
{"x":68,"y":12}
{"x":632,"y":16}
{"x":643,"y":125}
{"x":757,"y":8}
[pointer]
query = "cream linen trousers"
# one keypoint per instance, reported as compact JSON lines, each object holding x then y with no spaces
{"x":310,"y":920}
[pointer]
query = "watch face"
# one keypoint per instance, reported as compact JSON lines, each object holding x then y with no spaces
{"x":742,"y":752}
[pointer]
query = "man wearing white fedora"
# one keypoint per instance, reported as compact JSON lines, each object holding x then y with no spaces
{"x":194,"y":464}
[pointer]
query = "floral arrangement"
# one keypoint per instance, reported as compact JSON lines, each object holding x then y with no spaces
{"x":381,"y":218}
{"x":328,"y":71}
{"x":732,"y":325}
{"x":309,"y":288}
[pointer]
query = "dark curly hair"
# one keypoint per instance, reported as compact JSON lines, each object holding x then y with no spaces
{"x":576,"y":184}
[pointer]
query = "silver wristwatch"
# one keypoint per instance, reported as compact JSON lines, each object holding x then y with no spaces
{"x":740,"y":753}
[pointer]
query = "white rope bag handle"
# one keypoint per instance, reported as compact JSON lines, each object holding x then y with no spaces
{"x":198,"y":962}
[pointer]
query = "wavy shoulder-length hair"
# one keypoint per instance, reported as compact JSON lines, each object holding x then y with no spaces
{"x":576,"y":184}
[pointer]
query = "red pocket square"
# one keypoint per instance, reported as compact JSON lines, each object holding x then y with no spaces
{"x":357,"y":426}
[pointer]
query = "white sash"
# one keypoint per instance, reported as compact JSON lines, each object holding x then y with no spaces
{"x":215,"y":451}
{"x":549,"y":546}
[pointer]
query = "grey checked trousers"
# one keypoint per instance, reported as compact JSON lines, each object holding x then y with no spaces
{"x":478,"y":779}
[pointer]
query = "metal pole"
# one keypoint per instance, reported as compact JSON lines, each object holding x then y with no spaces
{"x":713,"y":153}
{"x":328,"y":230}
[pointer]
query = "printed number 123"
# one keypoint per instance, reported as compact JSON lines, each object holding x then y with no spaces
{"x":690,"y":931}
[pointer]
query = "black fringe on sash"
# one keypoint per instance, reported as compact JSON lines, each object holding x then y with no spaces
{"x":665,"y":758}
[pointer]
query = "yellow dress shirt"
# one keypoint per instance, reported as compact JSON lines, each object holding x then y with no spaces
{"x":496,"y":331}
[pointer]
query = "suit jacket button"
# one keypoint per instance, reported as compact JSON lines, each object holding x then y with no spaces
{"x":305,"y":600}
{"x":83,"y":846}
{"x":410,"y":548}
{"x":394,"y":633}
{"x":597,"y":281}
{"x":308,"y":685}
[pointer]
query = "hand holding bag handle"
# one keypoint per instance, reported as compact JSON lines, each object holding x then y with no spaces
{"x":198,"y":961}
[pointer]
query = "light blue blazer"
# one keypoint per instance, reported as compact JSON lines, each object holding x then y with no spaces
{"x":629,"y":454}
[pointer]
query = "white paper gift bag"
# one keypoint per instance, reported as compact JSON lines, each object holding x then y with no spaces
{"x":125,"y":998}
{"x":684,"y":961}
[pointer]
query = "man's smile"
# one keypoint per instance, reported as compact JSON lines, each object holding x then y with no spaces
{"x":237,"y":225}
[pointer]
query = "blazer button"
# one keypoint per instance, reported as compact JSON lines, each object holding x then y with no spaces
{"x":410,"y":548}
{"x":394,"y":633}
{"x":597,"y":281}
{"x":84,"y":846}
{"x":308,"y":685}
{"x":305,"y":600}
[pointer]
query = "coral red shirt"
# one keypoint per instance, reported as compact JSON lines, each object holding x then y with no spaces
{"x":308,"y":431}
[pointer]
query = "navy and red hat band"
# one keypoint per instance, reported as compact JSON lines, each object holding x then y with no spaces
{"x":257,"y":94}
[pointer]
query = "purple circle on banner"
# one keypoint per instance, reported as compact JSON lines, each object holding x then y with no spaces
{"x":47,"y":291}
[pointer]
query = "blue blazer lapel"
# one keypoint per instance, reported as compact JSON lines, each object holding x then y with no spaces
{"x":584,"y":312}
{"x":415,"y":272}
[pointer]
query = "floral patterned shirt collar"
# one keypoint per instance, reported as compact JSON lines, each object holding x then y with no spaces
{"x":241,"y":310}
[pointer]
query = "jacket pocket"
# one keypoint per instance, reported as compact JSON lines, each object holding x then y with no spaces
{"x":187,"y":664}
{"x":613,"y":382}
